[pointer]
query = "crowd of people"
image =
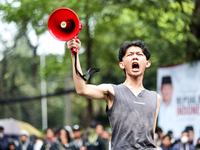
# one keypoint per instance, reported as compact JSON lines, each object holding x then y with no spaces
{"x":169,"y":142}
{"x":95,"y":137}
{"x":64,"y":138}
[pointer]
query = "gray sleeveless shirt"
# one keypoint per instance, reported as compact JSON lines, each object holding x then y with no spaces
{"x":132,"y":119}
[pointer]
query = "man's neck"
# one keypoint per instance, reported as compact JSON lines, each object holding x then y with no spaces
{"x":134,"y":83}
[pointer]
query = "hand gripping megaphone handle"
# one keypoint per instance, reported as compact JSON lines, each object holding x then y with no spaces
{"x":75,"y":50}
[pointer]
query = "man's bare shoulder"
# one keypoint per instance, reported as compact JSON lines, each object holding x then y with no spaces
{"x":108,"y":94}
{"x":108,"y":88}
{"x":158,"y":98}
{"x":158,"y":101}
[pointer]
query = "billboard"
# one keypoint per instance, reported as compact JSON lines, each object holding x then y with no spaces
{"x":179,"y":88}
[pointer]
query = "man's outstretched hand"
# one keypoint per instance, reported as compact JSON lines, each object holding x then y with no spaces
{"x":74,"y":43}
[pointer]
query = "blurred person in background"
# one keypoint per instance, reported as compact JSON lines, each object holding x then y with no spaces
{"x":173,"y":140}
{"x":12,"y":146}
{"x":3,"y":140}
{"x":155,"y":139}
{"x":166,"y":143}
{"x":50,"y":140}
{"x":78,"y":139}
{"x":57,"y":132}
{"x":93,"y":141}
{"x":64,"y":142}
{"x":36,"y":142}
{"x":69,"y":129}
{"x":197,"y":147}
{"x":33,"y":140}
{"x":100,"y":129}
{"x":24,"y":141}
{"x":107,"y":135}
{"x":190,"y":131}
{"x":184,"y":142}
{"x":160,"y":134}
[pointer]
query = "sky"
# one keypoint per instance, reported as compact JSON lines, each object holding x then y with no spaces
{"x":47,"y":44}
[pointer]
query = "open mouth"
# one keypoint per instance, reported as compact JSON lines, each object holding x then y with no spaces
{"x":135,"y":66}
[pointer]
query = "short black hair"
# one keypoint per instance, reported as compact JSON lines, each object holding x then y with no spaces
{"x":127,"y":44}
{"x":167,"y":135}
{"x":189,"y":128}
{"x":1,"y":128}
{"x":12,"y":143}
{"x":93,"y":124}
{"x":184,"y":131}
{"x":49,"y":129}
{"x":158,"y":129}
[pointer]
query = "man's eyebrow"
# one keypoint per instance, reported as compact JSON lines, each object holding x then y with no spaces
{"x":131,"y":52}
{"x":139,"y":52}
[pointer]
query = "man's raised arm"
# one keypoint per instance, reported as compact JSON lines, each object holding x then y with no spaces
{"x":86,"y":90}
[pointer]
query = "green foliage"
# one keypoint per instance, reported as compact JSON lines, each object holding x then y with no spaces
{"x":169,"y":28}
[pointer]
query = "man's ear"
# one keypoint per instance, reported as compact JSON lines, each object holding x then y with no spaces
{"x":121,"y":64}
{"x":148,"y":64}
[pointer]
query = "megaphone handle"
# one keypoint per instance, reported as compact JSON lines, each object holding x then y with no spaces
{"x":75,"y":50}
{"x":88,"y":73}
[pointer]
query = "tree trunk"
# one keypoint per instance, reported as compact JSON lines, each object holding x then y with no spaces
{"x":3,"y":84}
{"x":88,"y":65}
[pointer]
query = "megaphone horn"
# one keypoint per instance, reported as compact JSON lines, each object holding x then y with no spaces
{"x":64,"y":25}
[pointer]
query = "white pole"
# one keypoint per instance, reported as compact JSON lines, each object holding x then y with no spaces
{"x":68,"y":102}
{"x":43,"y":92}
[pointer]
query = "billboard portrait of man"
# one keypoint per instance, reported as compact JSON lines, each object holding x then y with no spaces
{"x":166,"y":90}
{"x":178,"y":87}
{"x":167,"y":107}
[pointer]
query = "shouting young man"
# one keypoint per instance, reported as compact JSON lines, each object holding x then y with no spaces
{"x":132,"y":110}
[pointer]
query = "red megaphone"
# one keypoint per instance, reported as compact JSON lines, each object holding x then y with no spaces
{"x":64,"y":25}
